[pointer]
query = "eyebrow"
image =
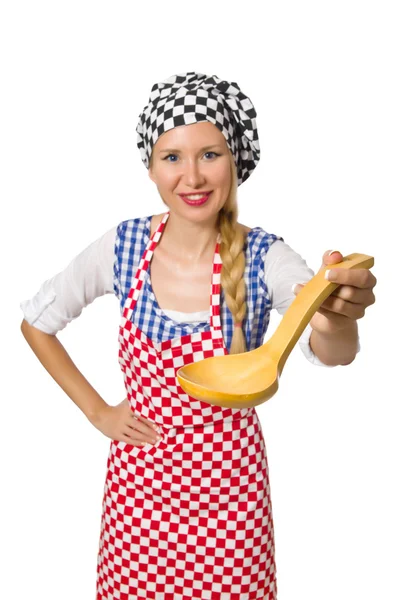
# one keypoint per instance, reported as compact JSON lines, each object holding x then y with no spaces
{"x":205,"y":148}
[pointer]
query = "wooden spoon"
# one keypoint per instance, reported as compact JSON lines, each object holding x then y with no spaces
{"x":251,"y":378}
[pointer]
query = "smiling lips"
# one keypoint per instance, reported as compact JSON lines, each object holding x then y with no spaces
{"x":195,"y":199}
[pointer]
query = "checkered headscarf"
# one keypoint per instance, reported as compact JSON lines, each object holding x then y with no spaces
{"x":191,"y":97}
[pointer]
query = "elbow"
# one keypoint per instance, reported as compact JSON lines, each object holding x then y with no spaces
{"x":347,"y":363}
{"x":24,"y":326}
{"x":27,"y":329}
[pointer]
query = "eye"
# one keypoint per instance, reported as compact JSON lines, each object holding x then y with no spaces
{"x":168,"y":156}
{"x":165,"y":158}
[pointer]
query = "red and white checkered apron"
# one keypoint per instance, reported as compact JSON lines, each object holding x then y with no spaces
{"x":189,"y":517}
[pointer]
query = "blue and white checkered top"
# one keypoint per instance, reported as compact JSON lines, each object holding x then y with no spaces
{"x":132,"y":238}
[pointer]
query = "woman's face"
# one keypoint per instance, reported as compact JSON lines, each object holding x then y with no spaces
{"x":190,"y":159}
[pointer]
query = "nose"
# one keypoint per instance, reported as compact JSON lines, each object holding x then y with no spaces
{"x":193,"y":175}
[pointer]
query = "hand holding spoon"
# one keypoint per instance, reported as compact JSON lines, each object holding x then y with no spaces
{"x":251,"y":378}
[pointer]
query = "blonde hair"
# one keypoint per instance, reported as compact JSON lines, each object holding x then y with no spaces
{"x":233,"y":261}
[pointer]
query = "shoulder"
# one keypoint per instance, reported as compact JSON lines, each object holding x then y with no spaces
{"x":140,"y":225}
{"x":154,"y":221}
{"x":259,"y":241}
{"x":133,"y":225}
{"x":245,"y":229}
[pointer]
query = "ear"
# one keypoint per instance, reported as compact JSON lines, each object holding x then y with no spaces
{"x":151,"y":174}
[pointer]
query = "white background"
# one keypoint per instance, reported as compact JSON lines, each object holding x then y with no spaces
{"x":322,"y":77}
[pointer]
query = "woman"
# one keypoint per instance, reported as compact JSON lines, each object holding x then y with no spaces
{"x":187,"y":508}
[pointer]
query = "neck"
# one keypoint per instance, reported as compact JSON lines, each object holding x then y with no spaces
{"x":192,"y":240}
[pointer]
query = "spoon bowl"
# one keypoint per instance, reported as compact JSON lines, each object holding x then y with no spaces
{"x":250,"y":378}
{"x":233,"y":380}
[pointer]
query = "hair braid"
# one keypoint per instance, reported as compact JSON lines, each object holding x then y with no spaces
{"x":233,"y":263}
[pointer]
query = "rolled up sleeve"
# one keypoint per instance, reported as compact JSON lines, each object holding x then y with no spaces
{"x":61,"y":298}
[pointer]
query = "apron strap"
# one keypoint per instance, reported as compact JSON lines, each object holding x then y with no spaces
{"x":139,"y":277}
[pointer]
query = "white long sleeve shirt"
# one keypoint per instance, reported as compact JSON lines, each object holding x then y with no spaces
{"x":89,"y":275}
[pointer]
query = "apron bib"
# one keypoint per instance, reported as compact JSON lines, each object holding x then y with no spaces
{"x":189,"y":517}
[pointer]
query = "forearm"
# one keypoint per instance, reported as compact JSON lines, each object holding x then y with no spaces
{"x":338,"y":348}
{"x":54,"y":358}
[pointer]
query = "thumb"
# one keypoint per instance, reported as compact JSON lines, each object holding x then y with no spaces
{"x":331,"y":257}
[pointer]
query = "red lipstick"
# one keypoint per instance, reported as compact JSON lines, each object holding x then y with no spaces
{"x":195,"y":202}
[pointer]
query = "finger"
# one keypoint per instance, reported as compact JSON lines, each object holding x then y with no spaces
{"x":360,"y":297}
{"x":339,"y":321}
{"x":149,"y":424}
{"x":338,"y":306}
{"x":146,"y":431}
{"x":142,"y":436}
{"x":352,"y":294}
{"x":361,"y":278}
{"x":133,"y":441}
{"x":138,"y":425}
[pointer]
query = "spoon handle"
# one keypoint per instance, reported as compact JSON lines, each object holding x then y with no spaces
{"x":306,"y":303}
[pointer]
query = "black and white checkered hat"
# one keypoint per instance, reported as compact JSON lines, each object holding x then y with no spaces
{"x":191,"y":97}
